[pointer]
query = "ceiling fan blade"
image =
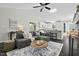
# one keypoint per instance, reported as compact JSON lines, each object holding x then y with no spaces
{"x":41,"y":9}
{"x":47,"y":3}
{"x":41,"y":4}
{"x":36,"y":6}
{"x":48,"y":8}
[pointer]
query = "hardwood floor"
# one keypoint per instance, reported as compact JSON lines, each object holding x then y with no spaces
{"x":2,"y":54}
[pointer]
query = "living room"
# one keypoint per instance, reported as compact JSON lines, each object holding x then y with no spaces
{"x":39,"y":29}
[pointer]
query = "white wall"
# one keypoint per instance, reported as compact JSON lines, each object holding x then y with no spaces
{"x":22,"y":16}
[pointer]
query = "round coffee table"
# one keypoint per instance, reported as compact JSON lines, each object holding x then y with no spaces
{"x":39,"y":44}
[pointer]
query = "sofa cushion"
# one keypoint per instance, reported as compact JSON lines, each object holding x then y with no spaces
{"x":19,"y":35}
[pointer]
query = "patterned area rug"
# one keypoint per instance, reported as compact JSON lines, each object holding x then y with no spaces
{"x":53,"y":49}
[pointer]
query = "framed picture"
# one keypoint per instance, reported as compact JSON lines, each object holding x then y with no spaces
{"x":13,"y":25}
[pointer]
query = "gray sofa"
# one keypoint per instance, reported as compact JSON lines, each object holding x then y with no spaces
{"x":20,"y":41}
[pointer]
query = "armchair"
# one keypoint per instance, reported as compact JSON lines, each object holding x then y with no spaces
{"x":20,"y":41}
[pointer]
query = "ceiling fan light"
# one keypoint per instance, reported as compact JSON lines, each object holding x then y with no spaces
{"x":53,"y":10}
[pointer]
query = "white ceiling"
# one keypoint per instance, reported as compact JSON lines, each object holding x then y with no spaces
{"x":65,"y":11}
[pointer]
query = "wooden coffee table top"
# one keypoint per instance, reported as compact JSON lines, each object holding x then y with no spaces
{"x":39,"y":44}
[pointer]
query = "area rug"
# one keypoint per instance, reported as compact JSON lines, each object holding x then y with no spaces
{"x":53,"y":49}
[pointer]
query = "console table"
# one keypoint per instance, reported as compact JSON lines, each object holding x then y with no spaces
{"x":53,"y":35}
{"x":11,"y":34}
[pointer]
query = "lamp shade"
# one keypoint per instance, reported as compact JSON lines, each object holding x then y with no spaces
{"x":20,"y":28}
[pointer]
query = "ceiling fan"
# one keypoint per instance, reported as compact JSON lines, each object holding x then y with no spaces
{"x":43,"y":6}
